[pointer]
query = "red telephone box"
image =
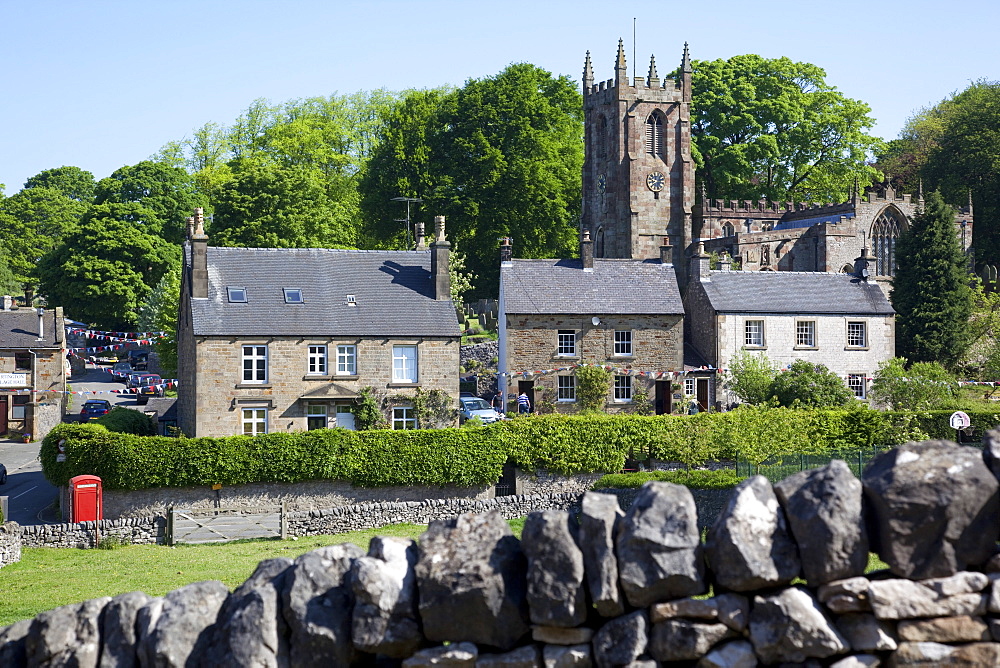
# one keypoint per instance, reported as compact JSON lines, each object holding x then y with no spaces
{"x":86,"y":501}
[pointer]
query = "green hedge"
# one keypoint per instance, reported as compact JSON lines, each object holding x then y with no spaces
{"x":697,"y":479}
{"x":128,"y":421}
{"x":471,"y":456}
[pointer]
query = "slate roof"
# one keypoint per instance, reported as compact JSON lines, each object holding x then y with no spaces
{"x":794,"y":292}
{"x":393,"y":292}
{"x":613,"y":287}
{"x":19,"y":329}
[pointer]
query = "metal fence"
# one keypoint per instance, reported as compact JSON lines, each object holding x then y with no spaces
{"x":779,"y":468}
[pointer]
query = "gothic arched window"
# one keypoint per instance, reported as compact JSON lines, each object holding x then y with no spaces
{"x":655,"y":141}
{"x":727,"y":229}
{"x":602,"y":138}
{"x":884,"y":233}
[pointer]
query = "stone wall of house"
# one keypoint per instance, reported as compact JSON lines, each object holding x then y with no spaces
{"x":657,"y":345}
{"x":611,"y":588}
{"x":221,"y":393}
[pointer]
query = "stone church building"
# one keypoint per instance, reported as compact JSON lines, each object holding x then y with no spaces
{"x":639,"y":189}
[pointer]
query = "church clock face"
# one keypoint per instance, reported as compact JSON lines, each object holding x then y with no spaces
{"x":655,"y":181}
{"x":602,"y":183}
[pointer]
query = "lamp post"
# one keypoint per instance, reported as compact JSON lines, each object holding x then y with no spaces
{"x":406,"y":220}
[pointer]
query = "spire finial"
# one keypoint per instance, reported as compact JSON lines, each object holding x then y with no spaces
{"x":621,"y":67}
{"x":686,"y":60}
{"x":653,"y":76}
{"x":920,"y":189}
{"x":588,"y":73}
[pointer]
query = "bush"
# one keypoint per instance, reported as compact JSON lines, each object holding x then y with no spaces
{"x":128,"y":421}
{"x":721,"y":479}
{"x":563,"y":444}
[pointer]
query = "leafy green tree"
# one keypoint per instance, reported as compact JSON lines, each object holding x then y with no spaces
{"x":810,"y":385}
{"x":103,"y":270}
{"x":31,"y":222}
{"x":771,"y":127}
{"x":922,"y":386}
{"x":270,"y":206}
{"x":159,"y":314}
{"x":73,"y":182}
{"x":931,"y":292}
{"x":165,"y":196}
{"x":592,"y":386}
{"x":750,"y":377}
{"x":9,"y":285}
{"x":501,"y":156}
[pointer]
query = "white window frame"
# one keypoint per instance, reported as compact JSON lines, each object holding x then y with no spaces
{"x":690,"y":387}
{"x":347,"y":360}
{"x":858,"y":384}
{"x":566,"y":388}
{"x":404,"y":367}
{"x":861,"y":326}
{"x":317,"y":361}
{"x":566,"y":343}
{"x":254,"y":418}
{"x":805,"y":333}
{"x":316,"y":409}
{"x":236,"y":295}
{"x":753,"y":334}
{"x":404,"y":417}
{"x":18,"y":406}
{"x":623,"y":342}
{"x":623,"y":389}
{"x":254,"y":364}
{"x":293,"y":295}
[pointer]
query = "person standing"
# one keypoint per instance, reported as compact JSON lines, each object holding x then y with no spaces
{"x":523,"y":404}
{"x":498,"y":403}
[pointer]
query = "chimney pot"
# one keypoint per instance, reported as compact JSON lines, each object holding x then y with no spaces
{"x":506,"y":249}
{"x":587,"y":251}
{"x":440,"y":251}
{"x":666,"y":251}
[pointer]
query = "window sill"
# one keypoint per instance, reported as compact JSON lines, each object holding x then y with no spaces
{"x":748,"y":347}
{"x":328,"y":378}
{"x":622,"y":401}
{"x":402,"y":384}
{"x":805,"y":348}
{"x":560,"y":356}
{"x":253,"y":386}
{"x":622,"y":356}
{"x":346,"y":376}
{"x":856,"y":348}
{"x":565,"y":401}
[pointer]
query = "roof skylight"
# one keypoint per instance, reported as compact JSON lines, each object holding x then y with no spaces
{"x":237,"y":295}
{"x":293,"y":295}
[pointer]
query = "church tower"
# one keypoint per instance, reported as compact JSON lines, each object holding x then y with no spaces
{"x":638,"y":177}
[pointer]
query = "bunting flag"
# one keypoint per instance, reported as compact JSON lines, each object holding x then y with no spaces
{"x":618,"y":371}
{"x":165,"y":385}
{"x":131,"y":337}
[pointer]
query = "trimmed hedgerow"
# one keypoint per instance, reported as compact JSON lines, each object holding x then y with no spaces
{"x":128,"y":421}
{"x":698,"y":479}
{"x":475,"y":456}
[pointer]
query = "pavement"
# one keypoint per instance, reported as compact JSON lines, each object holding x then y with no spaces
{"x":31,"y":499}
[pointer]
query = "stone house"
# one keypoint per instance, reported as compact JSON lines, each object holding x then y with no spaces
{"x":837,"y":319}
{"x":557,"y":314}
{"x":32,"y":369}
{"x":284,"y":339}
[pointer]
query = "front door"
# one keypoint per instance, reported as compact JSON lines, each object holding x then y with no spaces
{"x":662,"y":397}
{"x":3,"y":415}
{"x":345,"y":418}
{"x":702,"y":393}
{"x":526,"y":387}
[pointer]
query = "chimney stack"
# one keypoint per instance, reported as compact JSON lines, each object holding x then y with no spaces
{"x":863,"y":263}
{"x":418,"y":232}
{"x":506,"y":249}
{"x":41,"y":322}
{"x":701,"y":264}
{"x":190,"y":227}
{"x":440,"y":250}
{"x":666,"y":251}
{"x":199,"y":257}
{"x":59,"y":324}
{"x":587,"y":251}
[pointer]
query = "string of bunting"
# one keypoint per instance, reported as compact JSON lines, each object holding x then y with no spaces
{"x":115,"y":336}
{"x":165,"y":385}
{"x":619,"y":371}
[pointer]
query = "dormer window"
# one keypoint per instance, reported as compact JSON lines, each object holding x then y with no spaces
{"x":293,"y":296}
{"x":352,"y":300}
{"x":237,"y":295}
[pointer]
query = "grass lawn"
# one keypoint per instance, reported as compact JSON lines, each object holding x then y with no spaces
{"x":47,"y":578}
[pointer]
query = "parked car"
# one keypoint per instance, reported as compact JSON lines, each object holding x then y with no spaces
{"x":3,"y":474}
{"x":138,"y":359}
{"x":94,"y":408}
{"x":150,"y":385}
{"x":475,"y":407}
{"x":121,"y":370}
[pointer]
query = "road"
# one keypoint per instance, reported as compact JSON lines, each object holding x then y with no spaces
{"x":31,"y":498}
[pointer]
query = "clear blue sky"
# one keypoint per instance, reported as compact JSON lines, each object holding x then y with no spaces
{"x":99,"y":83}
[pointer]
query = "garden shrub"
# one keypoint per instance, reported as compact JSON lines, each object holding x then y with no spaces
{"x":128,"y":421}
{"x":698,"y":479}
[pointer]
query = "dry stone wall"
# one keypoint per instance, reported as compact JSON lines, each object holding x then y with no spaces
{"x":605,"y":586}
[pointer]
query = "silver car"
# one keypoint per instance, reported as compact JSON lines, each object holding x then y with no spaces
{"x":476,"y":407}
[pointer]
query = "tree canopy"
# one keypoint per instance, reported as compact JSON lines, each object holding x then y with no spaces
{"x":773,"y":128}
{"x":501,"y":156}
{"x":31,"y":222}
{"x":73,"y":182}
{"x":105,"y":268}
{"x":810,"y":385}
{"x":931,"y":291}
{"x":922,"y":386}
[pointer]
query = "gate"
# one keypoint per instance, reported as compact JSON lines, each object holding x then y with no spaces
{"x":507,"y":485}
{"x":221,"y":525}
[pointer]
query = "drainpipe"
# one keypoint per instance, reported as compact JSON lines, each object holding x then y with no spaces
{"x":31,"y":393}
